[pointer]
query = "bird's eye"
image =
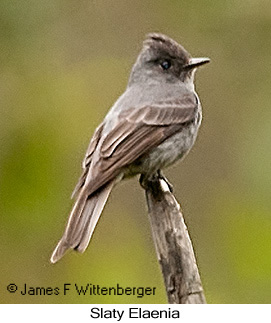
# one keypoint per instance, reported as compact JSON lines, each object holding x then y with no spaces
{"x":166,"y":64}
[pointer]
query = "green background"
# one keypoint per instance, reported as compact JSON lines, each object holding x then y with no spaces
{"x":63,"y":64}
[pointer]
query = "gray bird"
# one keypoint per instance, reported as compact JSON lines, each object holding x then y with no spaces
{"x":153,"y":124}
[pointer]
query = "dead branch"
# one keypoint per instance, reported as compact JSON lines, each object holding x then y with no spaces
{"x":173,"y":245}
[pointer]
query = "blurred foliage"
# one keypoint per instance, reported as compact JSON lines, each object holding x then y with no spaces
{"x":63,"y":64}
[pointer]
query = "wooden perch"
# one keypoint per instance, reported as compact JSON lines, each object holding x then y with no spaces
{"x":173,"y":245}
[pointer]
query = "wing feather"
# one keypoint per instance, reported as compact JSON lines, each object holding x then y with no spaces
{"x":87,"y":160}
{"x":138,"y":131}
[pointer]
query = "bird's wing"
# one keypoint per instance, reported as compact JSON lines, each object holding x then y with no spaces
{"x":88,"y":157}
{"x":137,"y":131}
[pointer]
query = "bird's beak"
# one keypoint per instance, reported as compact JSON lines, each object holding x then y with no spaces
{"x":196,"y":62}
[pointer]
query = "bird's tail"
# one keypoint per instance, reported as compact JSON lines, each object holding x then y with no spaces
{"x":82,"y":221}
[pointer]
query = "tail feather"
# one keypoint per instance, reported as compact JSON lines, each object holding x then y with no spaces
{"x":82,"y":222}
{"x":91,"y":222}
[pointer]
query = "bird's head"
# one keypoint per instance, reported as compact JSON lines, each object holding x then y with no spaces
{"x":164,"y":60}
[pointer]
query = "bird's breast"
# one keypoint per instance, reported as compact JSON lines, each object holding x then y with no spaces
{"x":168,"y":152}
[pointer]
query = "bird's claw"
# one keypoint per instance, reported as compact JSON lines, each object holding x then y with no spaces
{"x":161,"y":176}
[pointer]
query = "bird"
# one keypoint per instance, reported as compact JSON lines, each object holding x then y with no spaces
{"x":153,"y":124}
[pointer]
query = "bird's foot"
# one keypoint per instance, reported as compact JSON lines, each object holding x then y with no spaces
{"x":161,"y":176}
{"x":154,"y":183}
{"x":147,"y":182}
